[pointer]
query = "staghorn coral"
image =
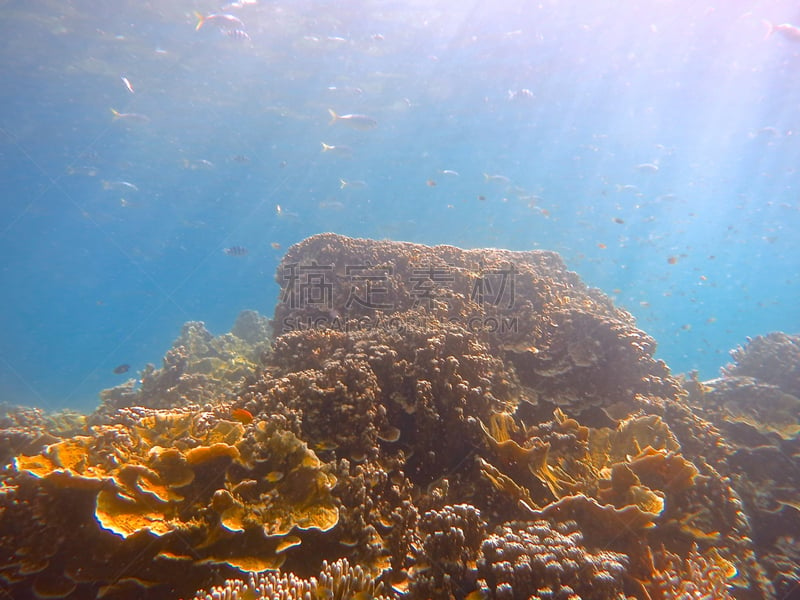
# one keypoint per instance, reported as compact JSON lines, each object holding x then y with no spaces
{"x":336,"y":581}
{"x":536,"y":560}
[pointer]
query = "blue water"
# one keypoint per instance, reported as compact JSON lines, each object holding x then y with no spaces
{"x":655,"y":146}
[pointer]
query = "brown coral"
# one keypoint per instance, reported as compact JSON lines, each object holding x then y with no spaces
{"x":560,"y":334}
{"x":336,"y":581}
{"x":446,"y":558}
{"x":535,"y":560}
{"x":773,"y":359}
{"x":756,"y":406}
{"x":395,"y":396}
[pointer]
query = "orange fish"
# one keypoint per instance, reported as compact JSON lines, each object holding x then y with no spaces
{"x":242,"y":415}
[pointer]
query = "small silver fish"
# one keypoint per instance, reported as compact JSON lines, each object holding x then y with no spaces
{"x":112,"y":185}
{"x":355,"y":185}
{"x":342,"y":151}
{"x":237,"y":34}
{"x":282,"y":213}
{"x":496,"y":178}
{"x":136,"y":117}
{"x":331,"y":205}
{"x":128,"y":85}
{"x":787,"y":30}
{"x":347,"y":90}
{"x":235,"y":251}
{"x":194,"y":165}
{"x":360,"y":122}
{"x":220,"y":19}
{"x":86,"y":170}
{"x":238,"y":4}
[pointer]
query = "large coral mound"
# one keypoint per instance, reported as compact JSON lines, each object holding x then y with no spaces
{"x":526,"y":306}
{"x":425,"y":423}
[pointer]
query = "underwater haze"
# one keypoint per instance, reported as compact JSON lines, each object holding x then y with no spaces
{"x":157,"y":159}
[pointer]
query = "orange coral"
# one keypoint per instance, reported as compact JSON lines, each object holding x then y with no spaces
{"x":174,"y":471}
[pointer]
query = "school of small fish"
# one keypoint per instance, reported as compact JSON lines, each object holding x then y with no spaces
{"x":350,"y":132}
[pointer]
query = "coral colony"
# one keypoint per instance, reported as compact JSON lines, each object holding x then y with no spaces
{"x":415,"y":422}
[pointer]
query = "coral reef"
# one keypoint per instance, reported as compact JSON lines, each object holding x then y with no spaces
{"x":199,"y":368}
{"x":756,"y":406}
{"x":393,"y":390}
{"x":772,"y":359}
{"x":418,"y":423}
{"x":27,"y":430}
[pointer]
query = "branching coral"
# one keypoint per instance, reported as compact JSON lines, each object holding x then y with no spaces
{"x":535,"y":560}
{"x":336,"y":581}
{"x":445,"y":560}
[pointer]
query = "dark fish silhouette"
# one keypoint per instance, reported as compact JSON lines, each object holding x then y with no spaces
{"x":122,"y":369}
{"x":235,"y":251}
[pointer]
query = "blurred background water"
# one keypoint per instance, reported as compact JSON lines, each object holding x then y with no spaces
{"x":652,"y":144}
